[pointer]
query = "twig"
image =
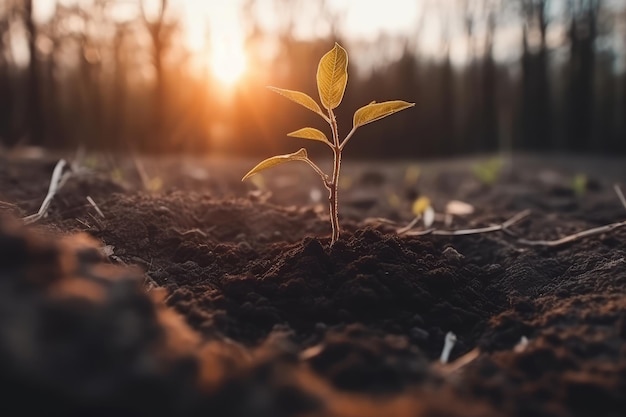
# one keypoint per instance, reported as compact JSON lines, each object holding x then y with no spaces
{"x":449,"y":343}
{"x":56,"y":183}
{"x":95,"y":206}
{"x":84,"y":223}
{"x":567,"y":239}
{"x":409,"y":226}
{"x":585,"y":233}
{"x":7,"y":204}
{"x":495,"y":228}
{"x":459,"y":363}
{"x":194,"y":231}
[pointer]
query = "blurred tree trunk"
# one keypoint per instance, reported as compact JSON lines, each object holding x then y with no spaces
{"x":6,"y":92}
{"x":35,"y":117}
{"x":489,"y":83}
{"x":447,"y":112}
{"x":472,"y":93}
{"x":582,"y":34}
{"x":536,"y":106}
{"x":118,"y":101}
{"x":157,"y":30}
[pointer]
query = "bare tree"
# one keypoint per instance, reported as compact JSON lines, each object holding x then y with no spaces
{"x":160,"y":34}
{"x":536,"y":100}
{"x":583,"y":31}
{"x":35,"y":116}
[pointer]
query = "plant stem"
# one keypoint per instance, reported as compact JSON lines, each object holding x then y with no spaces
{"x":334,"y":184}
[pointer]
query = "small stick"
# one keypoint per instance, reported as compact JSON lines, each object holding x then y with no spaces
{"x":459,"y":363}
{"x":195,"y":231}
{"x":95,"y":206}
{"x":495,"y":228}
{"x":409,"y":226}
{"x":584,"y":233}
{"x":449,"y":343}
{"x":84,"y":223}
{"x":7,"y":204}
{"x":575,"y":236}
{"x":56,"y":182}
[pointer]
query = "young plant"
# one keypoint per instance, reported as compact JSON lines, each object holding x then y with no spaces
{"x":332,"y":77}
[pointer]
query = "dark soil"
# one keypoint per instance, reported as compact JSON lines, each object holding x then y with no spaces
{"x":208,"y":296}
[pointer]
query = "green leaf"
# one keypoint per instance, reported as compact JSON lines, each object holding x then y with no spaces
{"x":376,"y":111}
{"x":301,"y":155}
{"x":309,"y":133}
{"x":332,"y":77}
{"x":300,"y":98}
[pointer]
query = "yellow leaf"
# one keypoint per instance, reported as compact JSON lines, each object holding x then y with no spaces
{"x":420,"y":205}
{"x":332,"y":77}
{"x":301,"y":155}
{"x":300,"y":98}
{"x":376,"y":111}
{"x":309,"y":133}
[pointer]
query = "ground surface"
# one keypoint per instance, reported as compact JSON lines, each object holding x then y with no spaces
{"x":239,"y":307}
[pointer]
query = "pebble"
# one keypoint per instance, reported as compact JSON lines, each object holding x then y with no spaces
{"x":452,"y":254}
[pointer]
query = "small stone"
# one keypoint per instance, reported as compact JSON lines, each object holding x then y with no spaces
{"x":452,"y":254}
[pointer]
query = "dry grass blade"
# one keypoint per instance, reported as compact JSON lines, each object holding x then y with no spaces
{"x":576,"y":236}
{"x":56,"y":183}
{"x":95,"y":206}
{"x":620,"y":195}
{"x":469,"y":357}
{"x":585,"y":233}
{"x":464,"y":232}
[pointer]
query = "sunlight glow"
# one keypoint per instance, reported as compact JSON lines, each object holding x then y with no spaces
{"x":214,"y":30}
{"x":227,"y":60}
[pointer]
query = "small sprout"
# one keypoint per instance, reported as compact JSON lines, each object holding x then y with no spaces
{"x":412,"y":175}
{"x":332,"y":78}
{"x":488,"y":172}
{"x":579,"y":184}
{"x":420,"y":205}
{"x":422,"y":208}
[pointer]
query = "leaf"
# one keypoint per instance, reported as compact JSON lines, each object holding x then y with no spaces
{"x":300,"y":98}
{"x":332,"y":77}
{"x":376,"y":111}
{"x":301,"y":155}
{"x":420,"y":205}
{"x":309,"y":133}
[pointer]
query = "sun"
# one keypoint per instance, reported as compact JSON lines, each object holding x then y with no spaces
{"x":227,"y":60}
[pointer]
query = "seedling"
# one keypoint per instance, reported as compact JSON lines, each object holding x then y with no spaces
{"x":332,"y":78}
{"x":488,"y":172}
{"x":579,"y":184}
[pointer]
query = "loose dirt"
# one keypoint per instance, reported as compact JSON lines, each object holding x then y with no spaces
{"x":197,"y":294}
